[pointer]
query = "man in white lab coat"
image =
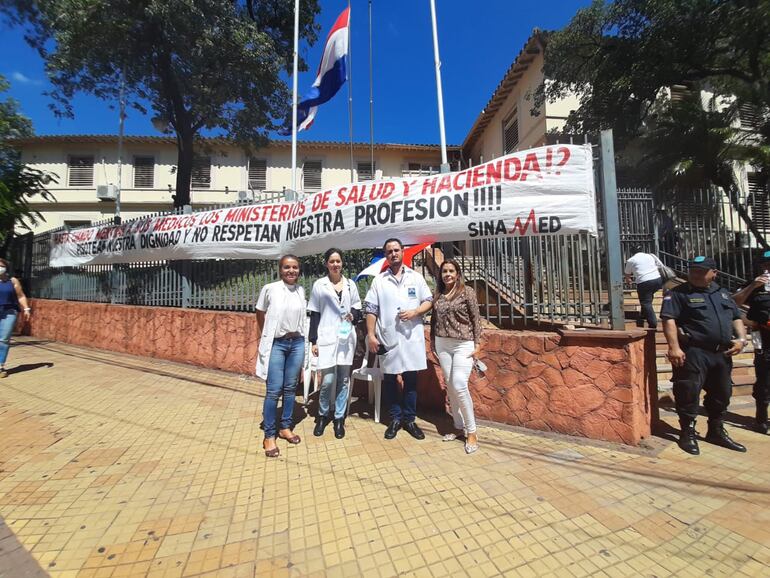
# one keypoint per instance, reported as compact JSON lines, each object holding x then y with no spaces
{"x":395,"y":304}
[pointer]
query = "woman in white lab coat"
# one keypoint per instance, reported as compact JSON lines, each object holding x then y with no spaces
{"x":281,"y":312}
{"x":335,"y":306}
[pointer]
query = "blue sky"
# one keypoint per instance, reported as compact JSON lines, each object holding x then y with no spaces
{"x":477,"y":46}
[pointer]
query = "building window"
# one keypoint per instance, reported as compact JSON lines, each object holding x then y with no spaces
{"x":749,"y":116}
{"x":511,"y":133}
{"x":680,"y":92}
{"x":759,"y":201}
{"x":80,"y":171}
{"x":257,"y":174}
{"x":201,"y":173}
{"x":311,"y":175}
{"x":76,"y":224}
{"x":418,"y":170}
{"x":366,"y":171}
{"x":144,"y":172}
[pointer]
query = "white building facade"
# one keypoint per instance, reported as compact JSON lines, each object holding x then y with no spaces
{"x":223,"y":173}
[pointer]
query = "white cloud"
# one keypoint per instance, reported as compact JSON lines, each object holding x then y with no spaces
{"x":23,"y":78}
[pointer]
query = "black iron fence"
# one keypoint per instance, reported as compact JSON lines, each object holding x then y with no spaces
{"x":520,"y":282}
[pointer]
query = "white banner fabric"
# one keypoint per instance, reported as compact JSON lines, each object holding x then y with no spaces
{"x":543,"y":191}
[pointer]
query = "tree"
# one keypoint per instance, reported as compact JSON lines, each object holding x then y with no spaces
{"x":620,"y":58}
{"x":18,"y":184}
{"x":201,"y":65}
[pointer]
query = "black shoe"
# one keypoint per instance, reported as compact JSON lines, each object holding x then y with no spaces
{"x":339,"y":428}
{"x":718,"y":436}
{"x":392,"y":430}
{"x":762,"y":425}
{"x":414,"y":430}
{"x":320,"y":425}
{"x":687,"y":438}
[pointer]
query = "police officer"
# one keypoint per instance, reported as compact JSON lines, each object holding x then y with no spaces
{"x":757,"y":295}
{"x":700,"y":322}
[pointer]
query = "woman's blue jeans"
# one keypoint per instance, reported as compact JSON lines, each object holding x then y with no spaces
{"x":7,"y":323}
{"x":335,"y":379}
{"x":286,"y":357}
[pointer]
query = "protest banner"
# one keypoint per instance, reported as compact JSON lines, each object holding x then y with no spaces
{"x":543,"y":191}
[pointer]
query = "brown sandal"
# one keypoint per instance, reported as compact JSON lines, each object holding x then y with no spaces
{"x":292,"y":439}
{"x":272,"y":453}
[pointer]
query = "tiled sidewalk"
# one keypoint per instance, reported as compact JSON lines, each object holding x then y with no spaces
{"x":112,"y":465}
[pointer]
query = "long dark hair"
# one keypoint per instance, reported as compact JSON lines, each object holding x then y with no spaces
{"x":459,"y":285}
{"x":332,"y":251}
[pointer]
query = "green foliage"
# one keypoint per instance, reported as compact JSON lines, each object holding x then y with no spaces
{"x":618,"y":56}
{"x":19,"y":185}
{"x":200,"y":64}
{"x":621,"y":59}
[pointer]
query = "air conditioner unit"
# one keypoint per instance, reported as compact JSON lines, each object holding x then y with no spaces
{"x":107,"y":192}
{"x":243,"y":196}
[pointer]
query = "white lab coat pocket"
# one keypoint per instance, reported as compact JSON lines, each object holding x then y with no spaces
{"x":327,"y":335}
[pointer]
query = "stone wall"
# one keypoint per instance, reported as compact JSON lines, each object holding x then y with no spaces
{"x":596,"y":384}
{"x":215,"y":339}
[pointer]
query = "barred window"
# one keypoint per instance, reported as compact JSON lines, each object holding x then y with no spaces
{"x":201,"y":173}
{"x":366,"y":171}
{"x":144,"y":172}
{"x":311,"y":175}
{"x":511,"y":133}
{"x":80,"y":171}
{"x":257,"y":174}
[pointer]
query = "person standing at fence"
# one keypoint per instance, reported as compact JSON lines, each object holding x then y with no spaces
{"x":456,"y":335}
{"x":12,"y":300}
{"x":642,"y":269}
{"x":757,"y":295}
{"x":335,"y":306}
{"x":703,"y":328}
{"x":281,"y":317}
{"x":395,"y":304}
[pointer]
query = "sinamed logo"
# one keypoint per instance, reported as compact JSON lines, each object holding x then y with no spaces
{"x":533,"y":224}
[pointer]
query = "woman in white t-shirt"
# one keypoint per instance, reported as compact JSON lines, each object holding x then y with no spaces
{"x":280,"y":324}
{"x":642,"y":269}
{"x":334,"y":306}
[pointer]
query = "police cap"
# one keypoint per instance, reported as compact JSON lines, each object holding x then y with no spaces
{"x":701,"y":262}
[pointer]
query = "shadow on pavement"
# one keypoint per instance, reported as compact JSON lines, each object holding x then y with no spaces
{"x":15,"y":561}
{"x":28,"y":367}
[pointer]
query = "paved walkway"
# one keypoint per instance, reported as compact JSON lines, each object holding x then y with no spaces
{"x":112,"y":465}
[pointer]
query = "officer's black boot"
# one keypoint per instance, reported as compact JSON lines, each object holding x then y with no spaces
{"x":762,"y":425}
{"x":718,"y":436}
{"x":687,"y":440}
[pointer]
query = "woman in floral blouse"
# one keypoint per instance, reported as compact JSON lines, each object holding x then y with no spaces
{"x":456,"y":334}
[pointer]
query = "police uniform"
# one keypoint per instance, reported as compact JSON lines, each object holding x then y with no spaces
{"x":704,"y":318}
{"x":759,"y":312}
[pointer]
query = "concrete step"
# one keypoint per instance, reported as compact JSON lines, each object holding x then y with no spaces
{"x":748,"y":353}
{"x":742,"y":386}
{"x":740,"y":367}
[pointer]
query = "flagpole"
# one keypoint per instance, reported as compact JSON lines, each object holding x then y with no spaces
{"x":294,"y":102}
{"x":350,"y":94}
{"x":371,"y":97}
{"x":439,"y":94}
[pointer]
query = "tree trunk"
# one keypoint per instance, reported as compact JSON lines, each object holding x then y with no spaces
{"x":186,"y":158}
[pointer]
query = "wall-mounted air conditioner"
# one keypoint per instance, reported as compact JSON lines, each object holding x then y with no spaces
{"x":107,"y":192}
